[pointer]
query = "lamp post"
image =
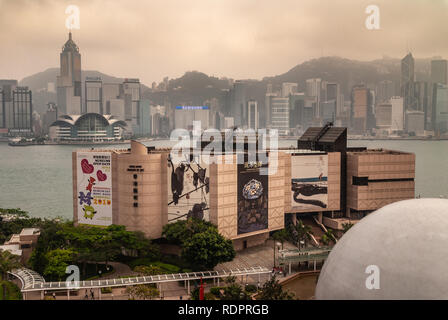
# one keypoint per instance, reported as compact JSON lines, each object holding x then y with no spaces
{"x":276,"y":245}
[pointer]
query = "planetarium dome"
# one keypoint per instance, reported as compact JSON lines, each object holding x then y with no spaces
{"x":408,"y":243}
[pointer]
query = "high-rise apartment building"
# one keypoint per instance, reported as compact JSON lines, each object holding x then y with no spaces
{"x":69,"y":80}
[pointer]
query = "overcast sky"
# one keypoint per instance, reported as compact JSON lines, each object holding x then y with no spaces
{"x":150,"y":39}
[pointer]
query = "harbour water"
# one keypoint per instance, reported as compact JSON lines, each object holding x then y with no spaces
{"x":38,"y":178}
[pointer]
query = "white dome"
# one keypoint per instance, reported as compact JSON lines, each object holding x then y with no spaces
{"x":407,"y":240}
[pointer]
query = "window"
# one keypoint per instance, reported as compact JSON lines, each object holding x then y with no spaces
{"x":135,"y":204}
{"x":360,"y":181}
{"x":135,"y":197}
{"x":135,"y":176}
{"x":135,"y":183}
{"x":135,"y":190}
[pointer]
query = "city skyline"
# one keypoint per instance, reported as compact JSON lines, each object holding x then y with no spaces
{"x":236,"y":43}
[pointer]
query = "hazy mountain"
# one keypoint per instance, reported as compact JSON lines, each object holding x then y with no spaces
{"x":349,"y":72}
{"x":196,"y":87}
{"x":38,"y":83}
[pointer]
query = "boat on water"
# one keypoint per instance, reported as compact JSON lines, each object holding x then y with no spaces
{"x":20,"y":142}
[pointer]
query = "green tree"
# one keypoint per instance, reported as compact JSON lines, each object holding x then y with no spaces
{"x":148,"y":270}
{"x":180,"y":230}
{"x":142,"y":291}
{"x":272,"y":290}
{"x":58,"y":260}
{"x":8,"y":262}
{"x":328,"y":237}
{"x":207,"y":249}
{"x":300,"y":232}
{"x":282,"y":236}
{"x":346,"y":226}
{"x":234,"y":291}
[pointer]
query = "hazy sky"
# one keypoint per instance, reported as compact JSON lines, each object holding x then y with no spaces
{"x":150,"y":39}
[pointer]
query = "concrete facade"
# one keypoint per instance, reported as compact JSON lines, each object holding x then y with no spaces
{"x":376,"y":178}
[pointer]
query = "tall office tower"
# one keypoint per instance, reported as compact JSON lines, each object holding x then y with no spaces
{"x":299,"y":116}
{"x":362,"y":117}
{"x":439,"y":71}
{"x":144,"y":129}
{"x":421,"y":95}
{"x":267,"y":108}
{"x":94,"y":96}
{"x":16,"y":108}
{"x":440,"y":108}
{"x":333,"y":93}
{"x":314,"y":91}
{"x":50,"y":116}
{"x":407,"y":82}
{"x":69,"y":80}
{"x":384,"y":91}
{"x":238,"y":102}
{"x":252,"y":114}
{"x":7,"y":105}
{"x":415,"y":122}
{"x":23,"y":110}
{"x":289,"y":88}
{"x":397,"y":113}
{"x":383,"y":116}
{"x":213,"y":106}
{"x":280,"y":114}
{"x":131,"y":90}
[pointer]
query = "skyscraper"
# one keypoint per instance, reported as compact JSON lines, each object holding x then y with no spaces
{"x":69,"y":80}
{"x":289,"y":88}
{"x":407,"y":82}
{"x":397,"y":113}
{"x":252,"y":114}
{"x":131,"y":90}
{"x":94,"y":95}
{"x":279,"y":114}
{"x":440,"y":108}
{"x":439,"y":71}
{"x":16,"y":108}
{"x":238,"y":102}
{"x":362,"y":118}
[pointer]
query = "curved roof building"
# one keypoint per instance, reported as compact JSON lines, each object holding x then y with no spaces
{"x":397,"y":252}
{"x":87,"y":127}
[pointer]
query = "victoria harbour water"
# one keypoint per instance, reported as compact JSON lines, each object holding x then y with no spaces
{"x":38,"y":179}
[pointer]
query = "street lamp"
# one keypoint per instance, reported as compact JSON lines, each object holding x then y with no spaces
{"x":278,"y":245}
{"x":99,"y":271}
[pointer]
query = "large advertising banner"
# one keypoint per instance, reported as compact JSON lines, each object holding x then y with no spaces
{"x":188,"y":190}
{"x":309,"y":181}
{"x":252,"y":198}
{"x":94,"y":181}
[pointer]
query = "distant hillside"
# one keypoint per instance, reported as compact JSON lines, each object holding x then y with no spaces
{"x":196,"y":87}
{"x":349,"y":72}
{"x":193,"y":88}
{"x":38,"y":83}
